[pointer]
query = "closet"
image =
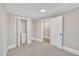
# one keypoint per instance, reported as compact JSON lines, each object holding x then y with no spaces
{"x":23,"y":30}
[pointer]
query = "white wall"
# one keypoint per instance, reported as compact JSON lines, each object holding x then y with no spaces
{"x":71,"y":29}
{"x":32,"y":28}
{"x":29,"y":32}
{"x":46,"y":28}
{"x":12,"y":30}
{"x":36,"y":24}
{"x":3,"y":30}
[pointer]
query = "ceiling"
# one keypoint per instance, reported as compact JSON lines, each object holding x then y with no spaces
{"x":33,"y":9}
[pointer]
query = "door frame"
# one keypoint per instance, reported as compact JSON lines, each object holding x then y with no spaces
{"x":28,"y":29}
{"x":50,"y":28}
{"x":48,"y":19}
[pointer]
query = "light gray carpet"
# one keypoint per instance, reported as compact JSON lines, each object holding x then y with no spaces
{"x":37,"y":49}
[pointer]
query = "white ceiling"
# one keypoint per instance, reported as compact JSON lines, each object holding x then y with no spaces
{"x":33,"y":9}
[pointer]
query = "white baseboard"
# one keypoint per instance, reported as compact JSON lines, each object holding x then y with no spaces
{"x":11,"y":46}
{"x":37,"y":39}
{"x":73,"y":51}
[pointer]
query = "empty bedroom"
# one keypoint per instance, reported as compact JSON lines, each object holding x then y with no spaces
{"x":39,"y":29}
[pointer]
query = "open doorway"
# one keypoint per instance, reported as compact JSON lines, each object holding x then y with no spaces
{"x":21,"y":31}
{"x":46,"y":31}
{"x":52,"y":31}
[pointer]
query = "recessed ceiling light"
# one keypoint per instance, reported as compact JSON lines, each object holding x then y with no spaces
{"x":43,"y":10}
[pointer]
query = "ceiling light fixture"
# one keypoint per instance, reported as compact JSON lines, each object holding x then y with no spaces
{"x":43,"y":10}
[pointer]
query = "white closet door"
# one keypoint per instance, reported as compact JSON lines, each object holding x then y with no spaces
{"x":56,"y":32}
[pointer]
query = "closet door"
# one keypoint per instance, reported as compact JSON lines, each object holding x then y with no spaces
{"x":23,"y":31}
{"x":56,"y":32}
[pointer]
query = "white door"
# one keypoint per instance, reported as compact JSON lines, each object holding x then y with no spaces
{"x":56,"y":32}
